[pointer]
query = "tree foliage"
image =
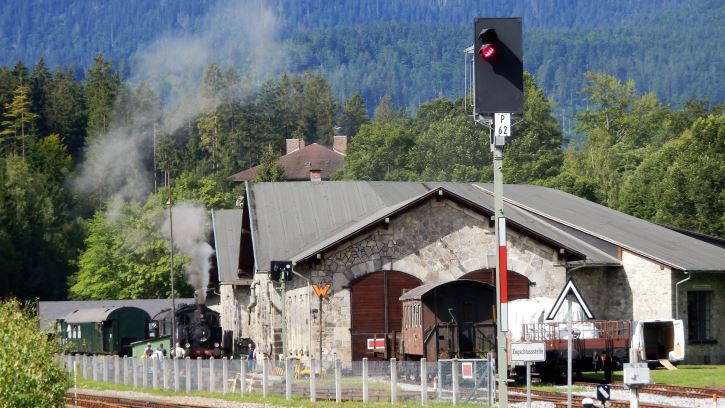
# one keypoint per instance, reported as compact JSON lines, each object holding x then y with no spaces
{"x":30,"y":375}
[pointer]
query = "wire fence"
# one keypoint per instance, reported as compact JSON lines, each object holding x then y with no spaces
{"x":382,"y":381}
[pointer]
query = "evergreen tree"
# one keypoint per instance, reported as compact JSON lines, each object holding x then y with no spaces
{"x":102,"y":86}
{"x":19,"y":119}
{"x":354,"y":115}
{"x":269,"y":169}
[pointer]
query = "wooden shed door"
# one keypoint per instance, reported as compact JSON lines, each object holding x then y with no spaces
{"x":518,"y":284}
{"x":377,"y":312}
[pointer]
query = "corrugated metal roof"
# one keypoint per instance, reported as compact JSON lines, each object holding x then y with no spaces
{"x":476,"y":198}
{"x":227,"y":226}
{"x":293,"y":221}
{"x":50,"y":311}
{"x":650,"y":240}
{"x":288,"y":218}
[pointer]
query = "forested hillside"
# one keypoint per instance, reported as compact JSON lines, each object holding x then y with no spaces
{"x":409,"y":50}
{"x":98,"y":149}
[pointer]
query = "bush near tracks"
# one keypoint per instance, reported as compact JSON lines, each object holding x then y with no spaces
{"x":30,"y":376}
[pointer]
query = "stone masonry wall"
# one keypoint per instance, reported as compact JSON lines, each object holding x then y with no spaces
{"x":437,"y":241}
{"x":710,"y":352}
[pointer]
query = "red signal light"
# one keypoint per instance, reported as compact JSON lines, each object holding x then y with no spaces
{"x":487,"y":51}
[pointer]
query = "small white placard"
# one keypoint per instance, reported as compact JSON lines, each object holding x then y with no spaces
{"x":636,"y":374}
{"x":502,"y":124}
{"x":528,"y":352}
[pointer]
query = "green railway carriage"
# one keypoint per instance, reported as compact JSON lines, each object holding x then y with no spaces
{"x":103,"y":330}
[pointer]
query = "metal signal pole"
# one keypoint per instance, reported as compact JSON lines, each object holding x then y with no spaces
{"x":497,"y":143}
{"x":171,"y":237}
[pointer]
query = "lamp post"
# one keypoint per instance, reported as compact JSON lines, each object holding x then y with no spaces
{"x":171,"y":235}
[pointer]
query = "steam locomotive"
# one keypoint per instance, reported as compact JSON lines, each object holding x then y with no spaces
{"x":198,"y":328}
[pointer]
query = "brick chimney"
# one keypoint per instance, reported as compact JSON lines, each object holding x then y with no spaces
{"x":315,"y":175}
{"x":294,"y":145}
{"x":339,"y":144}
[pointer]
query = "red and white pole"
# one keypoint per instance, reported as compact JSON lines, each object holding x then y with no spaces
{"x":502,"y":274}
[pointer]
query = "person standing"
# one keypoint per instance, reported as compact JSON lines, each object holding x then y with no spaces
{"x":251,"y":356}
{"x":178,"y":351}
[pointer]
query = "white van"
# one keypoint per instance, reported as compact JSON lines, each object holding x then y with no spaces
{"x":659,"y":341}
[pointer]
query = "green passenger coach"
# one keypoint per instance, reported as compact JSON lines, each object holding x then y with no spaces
{"x":104,"y":330}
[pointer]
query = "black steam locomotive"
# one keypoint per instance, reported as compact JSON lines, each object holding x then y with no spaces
{"x":198,"y":328}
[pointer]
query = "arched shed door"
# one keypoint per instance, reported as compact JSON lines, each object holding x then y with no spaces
{"x":377,"y":311}
{"x":518,"y":284}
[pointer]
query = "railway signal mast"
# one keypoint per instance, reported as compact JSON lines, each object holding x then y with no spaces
{"x":498,"y":95}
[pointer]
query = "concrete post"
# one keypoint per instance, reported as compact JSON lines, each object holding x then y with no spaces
{"x":287,"y":379}
{"x":187,"y":374}
{"x":176,"y":375}
{"x":166,"y":367}
{"x":134,"y":373}
{"x":94,"y":367}
{"x":242,"y":376}
{"x":144,"y":372}
{"x":423,"y":382}
{"x":393,"y":381}
{"x":338,"y":381}
{"x":365,"y":379}
{"x":225,"y":374}
{"x":104,"y":368}
{"x":313,"y":380}
{"x":454,"y":377}
{"x":116,"y":369}
{"x":212,"y":380}
{"x":265,"y":377}
{"x":199,"y":377}
{"x":155,"y":373}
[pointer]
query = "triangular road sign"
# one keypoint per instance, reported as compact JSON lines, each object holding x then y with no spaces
{"x":569,"y":288}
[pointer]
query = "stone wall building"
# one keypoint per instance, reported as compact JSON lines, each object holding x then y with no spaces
{"x":371,"y":241}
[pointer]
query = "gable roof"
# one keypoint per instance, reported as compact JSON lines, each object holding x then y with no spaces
{"x":227,"y":226}
{"x":297,"y":165}
{"x":294,"y":221}
{"x":650,"y":240}
{"x":49,"y":311}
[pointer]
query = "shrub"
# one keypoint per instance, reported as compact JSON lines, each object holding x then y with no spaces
{"x":30,"y":375}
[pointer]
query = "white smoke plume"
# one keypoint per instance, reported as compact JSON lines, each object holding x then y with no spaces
{"x":190,"y":228}
{"x":240,"y":34}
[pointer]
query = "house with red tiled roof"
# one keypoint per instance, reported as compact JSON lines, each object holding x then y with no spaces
{"x":305,"y":163}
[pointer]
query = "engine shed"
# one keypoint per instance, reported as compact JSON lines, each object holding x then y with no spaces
{"x":449,"y":319}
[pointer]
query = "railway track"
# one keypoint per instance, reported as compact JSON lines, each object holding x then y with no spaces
{"x":666,"y":390}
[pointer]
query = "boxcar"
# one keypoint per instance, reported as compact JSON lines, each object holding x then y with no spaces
{"x":449,"y":319}
{"x":105,"y":330}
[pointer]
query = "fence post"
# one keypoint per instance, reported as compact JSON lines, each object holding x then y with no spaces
{"x":154,"y":373}
{"x":454,"y":378}
{"x":187,"y":373}
{"x":393,"y":381}
{"x":338,"y":381}
{"x":211,"y":374}
{"x":423,"y":381}
{"x":94,"y":370}
{"x":287,"y":380}
{"x":225,"y":374}
{"x":134,"y":372}
{"x":490,"y":379}
{"x":313,"y":380}
{"x":166,"y":365}
{"x":104,"y":368}
{"x":176,"y":374}
{"x":199,"y":378}
{"x":264,"y":376}
{"x":365,"y":378}
{"x":124,"y":371}
{"x":116,"y":369}
{"x":242,"y":376}
{"x":69,"y":363}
